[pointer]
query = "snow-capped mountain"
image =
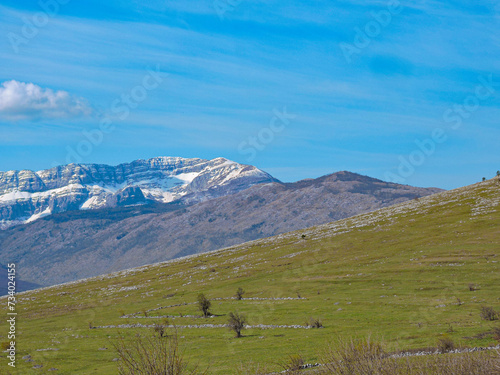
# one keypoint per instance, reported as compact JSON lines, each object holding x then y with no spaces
{"x":26,"y":196}
{"x":79,"y":244}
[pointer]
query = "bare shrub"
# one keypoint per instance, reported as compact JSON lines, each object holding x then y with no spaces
{"x":354,"y":357}
{"x":239,"y":294}
{"x":204,"y":305}
{"x":236,"y":323}
{"x":496,"y":333}
{"x":314,"y":323}
{"x":293,"y":365}
{"x":151,"y":356}
{"x":161,"y":328}
{"x":488,"y":313}
{"x":446,"y":345}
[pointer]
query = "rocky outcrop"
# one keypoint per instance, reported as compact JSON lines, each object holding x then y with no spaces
{"x":128,"y":196}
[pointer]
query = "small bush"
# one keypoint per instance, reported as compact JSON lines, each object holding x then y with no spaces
{"x":161,"y":328}
{"x":294,"y":364}
{"x":314,"y":323}
{"x":446,"y":345}
{"x":488,"y":313}
{"x":496,"y":334}
{"x":236,"y":323}
{"x":158,"y":328}
{"x":204,"y":305}
{"x":239,"y":294}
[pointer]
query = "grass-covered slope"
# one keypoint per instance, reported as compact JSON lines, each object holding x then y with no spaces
{"x":401,"y":274}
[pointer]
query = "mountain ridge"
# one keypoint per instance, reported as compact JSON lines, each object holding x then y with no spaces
{"x":78,"y":244}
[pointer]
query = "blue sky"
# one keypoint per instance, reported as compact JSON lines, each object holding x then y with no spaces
{"x":417,"y":102}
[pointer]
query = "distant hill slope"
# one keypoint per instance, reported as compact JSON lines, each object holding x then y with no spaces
{"x":75,"y":245}
{"x":409,"y":274}
{"x":21,"y":285}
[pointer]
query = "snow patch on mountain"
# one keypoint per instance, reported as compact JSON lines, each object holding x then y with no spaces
{"x":15,"y":195}
{"x":44,"y":213}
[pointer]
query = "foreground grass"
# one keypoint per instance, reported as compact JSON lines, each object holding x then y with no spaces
{"x":367,"y":357}
{"x":401,"y":273}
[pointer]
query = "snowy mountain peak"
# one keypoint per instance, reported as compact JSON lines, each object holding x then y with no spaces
{"x":27,"y":195}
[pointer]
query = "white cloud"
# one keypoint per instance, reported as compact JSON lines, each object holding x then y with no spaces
{"x":19,"y":100}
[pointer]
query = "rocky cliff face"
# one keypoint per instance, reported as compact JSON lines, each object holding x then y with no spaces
{"x":26,"y":196}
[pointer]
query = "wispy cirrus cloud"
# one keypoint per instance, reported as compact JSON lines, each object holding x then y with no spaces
{"x":21,"y":101}
{"x":218,"y":93}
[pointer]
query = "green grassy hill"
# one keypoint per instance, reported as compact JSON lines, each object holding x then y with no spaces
{"x":400,"y":274}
